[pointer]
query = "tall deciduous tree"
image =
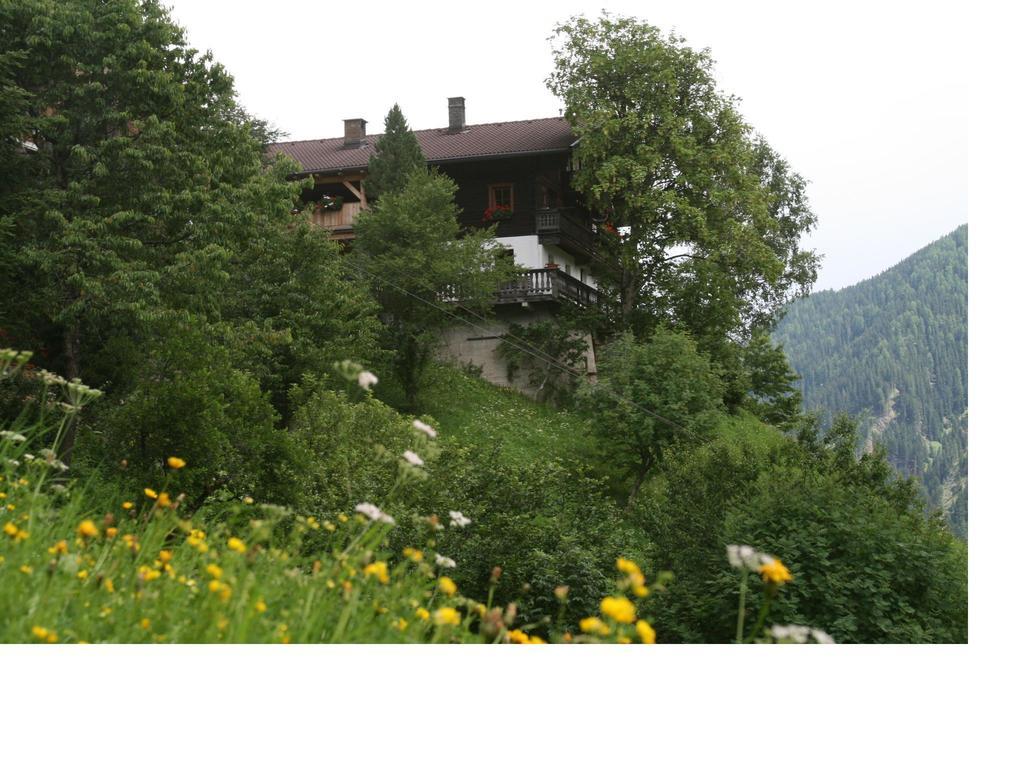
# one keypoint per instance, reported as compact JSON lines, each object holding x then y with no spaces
{"x":398,"y":155}
{"x":703,"y":214}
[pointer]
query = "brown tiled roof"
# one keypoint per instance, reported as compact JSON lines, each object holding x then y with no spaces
{"x":521,"y":137}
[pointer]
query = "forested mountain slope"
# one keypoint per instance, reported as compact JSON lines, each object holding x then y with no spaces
{"x":892,"y":351}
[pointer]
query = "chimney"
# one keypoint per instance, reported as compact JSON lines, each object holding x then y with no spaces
{"x":355,"y":132}
{"x":456,"y":114}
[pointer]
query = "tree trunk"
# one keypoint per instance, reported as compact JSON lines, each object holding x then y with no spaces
{"x":645,"y":467}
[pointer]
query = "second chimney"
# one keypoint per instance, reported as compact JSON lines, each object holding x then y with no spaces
{"x":456,"y":114}
{"x":355,"y":132}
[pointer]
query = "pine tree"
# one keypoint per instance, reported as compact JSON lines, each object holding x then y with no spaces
{"x":398,"y":155}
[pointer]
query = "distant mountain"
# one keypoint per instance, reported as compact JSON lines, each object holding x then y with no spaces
{"x":892,"y":351}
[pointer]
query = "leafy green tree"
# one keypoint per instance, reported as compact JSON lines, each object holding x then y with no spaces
{"x":698,"y":206}
{"x":868,"y":564}
{"x":421,"y":268}
{"x":650,"y":395}
{"x":398,"y":155}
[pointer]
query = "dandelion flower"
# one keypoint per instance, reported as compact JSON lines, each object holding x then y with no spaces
{"x":111,"y":533}
{"x":422,"y":613}
{"x":412,"y":458}
{"x":619,"y":609}
{"x":426,"y":429}
{"x":175,"y":463}
{"x":366,"y":380}
{"x":150,"y":493}
{"x":10,"y":529}
{"x":518,"y":636}
{"x":165,"y":556}
{"x":87,"y":529}
{"x":594,"y":626}
{"x":215,"y":570}
{"x":447,"y":616}
{"x":458,"y":519}
{"x":163,"y":500}
{"x":379,"y":570}
{"x":248,"y":500}
{"x":627,"y":566}
{"x":126,"y":505}
{"x":645,"y":631}
{"x":774,"y":572}
{"x":260,"y":606}
{"x":236,"y":545}
{"x":447,"y":586}
{"x":413,"y":554}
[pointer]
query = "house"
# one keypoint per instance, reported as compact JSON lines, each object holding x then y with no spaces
{"x":515,"y":175}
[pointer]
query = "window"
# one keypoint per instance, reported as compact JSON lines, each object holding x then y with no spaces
{"x":501,"y":196}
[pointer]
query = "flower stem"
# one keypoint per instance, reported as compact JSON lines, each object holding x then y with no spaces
{"x":743,"y":607}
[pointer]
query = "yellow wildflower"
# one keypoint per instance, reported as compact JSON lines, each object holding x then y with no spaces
{"x":150,"y":493}
{"x":165,"y":556}
{"x":60,"y":548}
{"x":594,"y":626}
{"x":627,"y":566}
{"x":645,"y":631}
{"x":518,"y":636}
{"x":639,"y":584}
{"x":248,"y":500}
{"x":534,"y":640}
{"x":623,"y":640}
{"x":619,"y":609}
{"x":108,"y":584}
{"x":88,"y":529}
{"x":775,"y":572}
{"x":111,"y":533}
{"x":10,"y":529}
{"x":413,"y":554}
{"x":175,"y":463}
{"x":126,"y":505}
{"x":163,"y":500}
{"x":145,"y":623}
{"x":46,"y":635}
{"x":422,"y":613}
{"x":378,"y":569}
{"x":148,"y":574}
{"x":83,"y":575}
{"x":236,"y":545}
{"x":26,"y":569}
{"x":400,"y":625}
{"x":215,"y":570}
{"x":447,"y":586}
{"x":443,"y":616}
{"x":260,"y":606}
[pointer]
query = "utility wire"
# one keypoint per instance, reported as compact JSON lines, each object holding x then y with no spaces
{"x":527,"y":349}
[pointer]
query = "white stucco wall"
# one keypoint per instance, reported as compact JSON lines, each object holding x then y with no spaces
{"x":529,"y":253}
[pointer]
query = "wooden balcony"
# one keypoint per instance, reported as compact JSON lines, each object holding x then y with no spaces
{"x":339,"y":222}
{"x":559,"y":227}
{"x":536,"y":285}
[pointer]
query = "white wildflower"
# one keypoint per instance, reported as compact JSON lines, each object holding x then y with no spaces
{"x":426,"y":429}
{"x":14,"y":437}
{"x":372,"y":512}
{"x":413,"y":459}
{"x":743,"y":556}
{"x":444,"y":562}
{"x":790,"y":633}
{"x":366,"y":380}
{"x":459,"y":519}
{"x":821,"y":637}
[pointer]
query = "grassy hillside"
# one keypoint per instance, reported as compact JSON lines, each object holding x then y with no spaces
{"x":892,"y":350}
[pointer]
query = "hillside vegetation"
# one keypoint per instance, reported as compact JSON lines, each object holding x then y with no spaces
{"x":892,"y":350}
{"x":218,"y":425}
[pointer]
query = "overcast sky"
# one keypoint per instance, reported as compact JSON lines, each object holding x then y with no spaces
{"x":868,"y":101}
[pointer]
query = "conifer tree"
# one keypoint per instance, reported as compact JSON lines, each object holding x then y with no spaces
{"x":398,"y":155}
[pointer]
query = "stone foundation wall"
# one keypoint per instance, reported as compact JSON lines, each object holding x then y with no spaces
{"x":478,"y":346}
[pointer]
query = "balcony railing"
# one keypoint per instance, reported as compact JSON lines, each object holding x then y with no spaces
{"x":337,"y":220}
{"x":561,"y":228}
{"x":546,"y":285}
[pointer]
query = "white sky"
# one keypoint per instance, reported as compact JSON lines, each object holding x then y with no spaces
{"x":868,"y":101}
